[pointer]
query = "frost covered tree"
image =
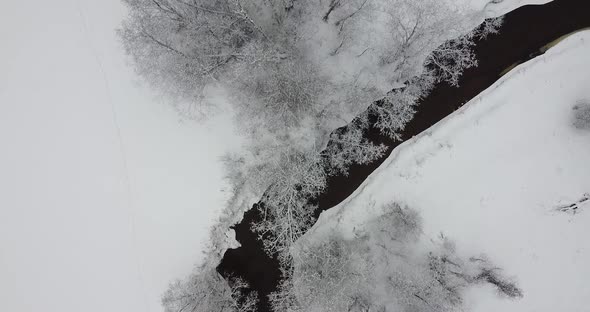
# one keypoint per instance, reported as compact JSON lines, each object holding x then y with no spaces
{"x":206,"y":291}
{"x":349,"y":146}
{"x":397,"y":108}
{"x":285,"y":208}
{"x":450,"y":59}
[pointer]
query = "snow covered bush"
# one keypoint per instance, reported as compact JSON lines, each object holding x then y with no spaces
{"x":574,"y":207}
{"x":398,"y":223}
{"x":436,"y":282}
{"x":492,"y":275}
{"x":582,"y":115}
{"x":328,"y":278}
{"x":388,"y":266}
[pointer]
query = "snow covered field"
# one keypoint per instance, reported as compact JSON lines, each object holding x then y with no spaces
{"x":491,"y":176}
{"x":90,"y":221}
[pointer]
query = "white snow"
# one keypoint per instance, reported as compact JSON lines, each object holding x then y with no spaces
{"x":490,"y":177}
{"x":500,"y":7}
{"x":90,"y":221}
{"x":503,"y":7}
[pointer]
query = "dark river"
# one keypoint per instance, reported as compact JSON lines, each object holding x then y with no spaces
{"x":524,"y":33}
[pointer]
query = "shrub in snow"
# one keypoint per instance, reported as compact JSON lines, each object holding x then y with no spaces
{"x":397,"y":223}
{"x":582,"y":115}
{"x":503,"y":285}
{"x":575,"y":207}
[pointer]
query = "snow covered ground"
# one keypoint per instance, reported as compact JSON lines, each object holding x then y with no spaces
{"x":90,"y":221}
{"x":503,"y":6}
{"x":491,"y":176}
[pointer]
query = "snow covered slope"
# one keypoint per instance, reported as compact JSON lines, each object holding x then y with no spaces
{"x":105,"y":195}
{"x":492,"y":176}
{"x":501,"y":7}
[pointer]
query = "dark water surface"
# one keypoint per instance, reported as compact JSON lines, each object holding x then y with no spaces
{"x":525,"y":31}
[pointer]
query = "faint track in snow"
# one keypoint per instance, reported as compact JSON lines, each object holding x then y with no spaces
{"x":121,"y":143}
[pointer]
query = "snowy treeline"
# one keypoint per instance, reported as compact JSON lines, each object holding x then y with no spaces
{"x":295,"y":70}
